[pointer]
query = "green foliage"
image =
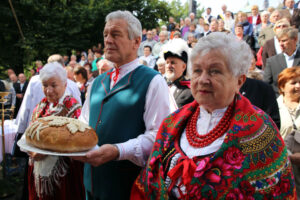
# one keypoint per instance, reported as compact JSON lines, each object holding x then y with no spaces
{"x":177,"y":10}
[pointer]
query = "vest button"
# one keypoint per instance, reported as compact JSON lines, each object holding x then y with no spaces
{"x":100,"y":121}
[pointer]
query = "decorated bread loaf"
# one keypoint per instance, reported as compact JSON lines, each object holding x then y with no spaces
{"x":61,"y":134}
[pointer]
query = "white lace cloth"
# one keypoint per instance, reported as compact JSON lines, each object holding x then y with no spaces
{"x":10,"y":130}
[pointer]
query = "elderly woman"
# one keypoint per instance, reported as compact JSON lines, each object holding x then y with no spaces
{"x":52,"y":177}
{"x":219,"y":146}
{"x":288,"y":103}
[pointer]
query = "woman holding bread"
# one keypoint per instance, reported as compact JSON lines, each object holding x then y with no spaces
{"x":52,"y":177}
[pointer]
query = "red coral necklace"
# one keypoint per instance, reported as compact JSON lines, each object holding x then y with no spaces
{"x":197,"y":140}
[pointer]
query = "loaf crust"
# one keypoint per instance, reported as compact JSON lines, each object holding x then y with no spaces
{"x":61,"y":134}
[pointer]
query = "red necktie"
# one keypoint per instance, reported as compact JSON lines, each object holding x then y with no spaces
{"x":117,"y":71}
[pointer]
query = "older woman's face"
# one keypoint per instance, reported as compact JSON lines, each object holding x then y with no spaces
{"x":213,"y":85}
{"x":292,"y":88}
{"x":54,"y":88}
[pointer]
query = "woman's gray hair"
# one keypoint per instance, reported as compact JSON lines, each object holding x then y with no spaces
{"x":134,"y":25}
{"x":237,"y":53}
{"x":53,"y":69}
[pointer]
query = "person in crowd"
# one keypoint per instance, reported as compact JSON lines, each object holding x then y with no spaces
{"x":293,"y":12}
{"x":186,"y":27}
{"x":163,"y":39}
{"x":200,"y":25}
{"x":272,"y":46}
{"x":221,"y":26}
{"x":264,"y":23}
{"x":83,"y":59}
{"x":20,"y":89}
{"x":161,"y":66}
{"x":267,"y":33}
{"x":53,"y":177}
{"x":213,"y":27}
{"x":191,"y":40}
{"x":208,"y":17}
{"x":70,"y":72}
{"x":66,"y":60}
{"x":154,"y":33}
{"x":254,"y":18}
{"x":32,"y":73}
{"x":206,"y":30}
{"x":136,"y":97}
{"x":288,"y":102}
{"x":72,"y":64}
{"x":193,"y":18}
{"x":289,"y":57}
{"x":177,"y":34}
{"x":239,"y":32}
{"x":181,"y":24}
{"x":98,"y":56}
{"x":149,"y":42}
{"x":204,"y":150}
{"x":73,"y":58}
{"x":13,"y":78}
{"x":171,"y":24}
{"x":38,"y":65}
{"x":9,"y":72}
{"x":80,"y":77}
{"x":229,"y":21}
{"x":254,"y":72}
{"x":104,"y":65}
{"x":90,"y":58}
{"x":242,"y":19}
{"x":144,"y":34}
{"x":192,"y":30}
{"x":150,"y":60}
{"x":90,"y":78}
{"x":176,"y":56}
{"x":223,"y":14}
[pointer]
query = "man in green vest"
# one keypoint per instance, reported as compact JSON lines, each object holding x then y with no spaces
{"x":125,"y":106}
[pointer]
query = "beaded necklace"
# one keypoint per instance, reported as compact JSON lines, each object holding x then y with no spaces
{"x":197,"y":140}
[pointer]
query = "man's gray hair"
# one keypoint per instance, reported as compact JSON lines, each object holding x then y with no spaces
{"x":237,"y":53}
{"x":165,"y":33}
{"x":291,"y":32}
{"x":56,"y":58}
{"x":53,"y":69}
{"x":134,"y":25}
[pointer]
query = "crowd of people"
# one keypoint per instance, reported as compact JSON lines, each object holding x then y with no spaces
{"x":231,"y":83}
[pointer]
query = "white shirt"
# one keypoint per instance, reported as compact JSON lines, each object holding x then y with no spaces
{"x":289,"y":59}
{"x":33,"y":95}
{"x":277,"y":45}
{"x":157,"y":108}
{"x":205,"y":123}
{"x":150,"y":60}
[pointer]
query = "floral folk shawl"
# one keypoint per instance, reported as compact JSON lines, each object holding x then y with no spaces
{"x":252,"y":163}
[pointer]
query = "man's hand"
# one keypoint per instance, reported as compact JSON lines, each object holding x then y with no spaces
{"x":295,"y":159}
{"x":104,"y":154}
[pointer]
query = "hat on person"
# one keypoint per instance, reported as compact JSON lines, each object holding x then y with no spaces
{"x":176,"y":48}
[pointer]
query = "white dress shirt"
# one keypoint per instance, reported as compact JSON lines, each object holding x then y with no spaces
{"x":33,"y":95}
{"x":205,"y":123}
{"x":157,"y":108}
{"x":289,"y":59}
{"x":149,"y":59}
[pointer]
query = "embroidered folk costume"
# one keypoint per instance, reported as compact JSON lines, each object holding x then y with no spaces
{"x":56,"y":177}
{"x":251,"y":163}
